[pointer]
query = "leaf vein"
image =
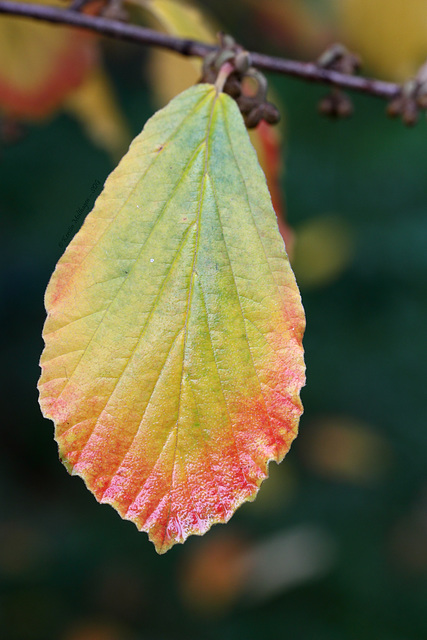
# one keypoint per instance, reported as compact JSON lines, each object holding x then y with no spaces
{"x":128,"y":361}
{"x":221,"y":385}
{"x":241,"y":309}
{"x":227,"y":129}
{"x":131,"y":268}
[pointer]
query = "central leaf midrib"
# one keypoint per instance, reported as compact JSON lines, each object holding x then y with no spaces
{"x":190,"y":296}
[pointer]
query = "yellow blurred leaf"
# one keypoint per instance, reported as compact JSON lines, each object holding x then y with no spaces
{"x":390,"y":35}
{"x":171,"y":73}
{"x":94,"y":104}
{"x":323,"y":250}
{"x":180,"y":18}
{"x":44,"y":63}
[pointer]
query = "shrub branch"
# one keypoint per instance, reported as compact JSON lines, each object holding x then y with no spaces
{"x":310,"y":71}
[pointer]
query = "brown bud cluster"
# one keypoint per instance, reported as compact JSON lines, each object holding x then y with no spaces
{"x":253,"y":108}
{"x":337,"y":58}
{"x":336,"y":105}
{"x":254,"y":111}
{"x":409,"y":101}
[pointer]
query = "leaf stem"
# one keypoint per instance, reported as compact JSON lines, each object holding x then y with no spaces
{"x":223,"y":74}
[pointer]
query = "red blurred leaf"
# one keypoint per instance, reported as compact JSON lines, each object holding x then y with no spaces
{"x":268,"y":145}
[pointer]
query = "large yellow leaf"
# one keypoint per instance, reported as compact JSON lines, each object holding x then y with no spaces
{"x":173,"y":358}
{"x":390,"y":35}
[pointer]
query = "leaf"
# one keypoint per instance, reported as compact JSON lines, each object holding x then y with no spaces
{"x":94,"y":104}
{"x":44,"y":63}
{"x":324,"y":249}
{"x":390,"y":35}
{"x":173,"y":357}
{"x":171,"y":73}
{"x":267,"y":142}
{"x":180,"y":18}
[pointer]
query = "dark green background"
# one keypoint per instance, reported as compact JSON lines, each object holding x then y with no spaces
{"x":69,"y":565}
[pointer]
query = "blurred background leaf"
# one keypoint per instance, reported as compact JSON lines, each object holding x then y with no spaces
{"x":390,"y":35}
{"x":44,"y":64}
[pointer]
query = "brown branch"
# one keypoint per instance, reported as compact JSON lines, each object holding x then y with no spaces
{"x":141,"y":35}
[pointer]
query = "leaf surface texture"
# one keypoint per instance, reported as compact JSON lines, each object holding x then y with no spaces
{"x":173,"y":358}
